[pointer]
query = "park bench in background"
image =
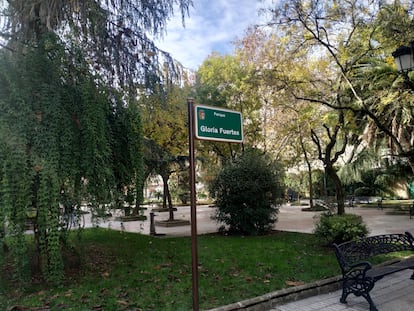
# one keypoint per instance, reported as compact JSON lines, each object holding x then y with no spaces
{"x":366,"y":199}
{"x":358,"y":274}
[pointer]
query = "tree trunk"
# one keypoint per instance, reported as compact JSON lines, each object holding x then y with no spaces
{"x":309,"y":176}
{"x":340,"y":197}
{"x":164,"y":192}
{"x":139,"y":195}
{"x":310,"y":186}
{"x":309,"y":170}
{"x":166,"y":197}
{"x":411,"y":162}
{"x":170,"y":206}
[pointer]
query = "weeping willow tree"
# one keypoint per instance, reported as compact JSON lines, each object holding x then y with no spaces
{"x":70,"y":128}
{"x":115,"y":35}
{"x":63,"y":142}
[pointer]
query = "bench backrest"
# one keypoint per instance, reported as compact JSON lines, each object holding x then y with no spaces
{"x":351,"y":252}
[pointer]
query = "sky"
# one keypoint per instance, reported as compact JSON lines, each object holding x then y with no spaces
{"x":212,"y":26}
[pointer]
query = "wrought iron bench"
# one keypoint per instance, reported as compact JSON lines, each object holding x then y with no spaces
{"x":358,"y":275}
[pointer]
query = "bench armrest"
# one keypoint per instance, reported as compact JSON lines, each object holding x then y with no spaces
{"x":357,"y":270}
{"x":410,"y":238}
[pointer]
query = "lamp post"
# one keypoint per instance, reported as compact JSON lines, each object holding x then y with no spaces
{"x":404,"y":60}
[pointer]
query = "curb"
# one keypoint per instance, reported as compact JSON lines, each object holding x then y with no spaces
{"x":273,"y":299}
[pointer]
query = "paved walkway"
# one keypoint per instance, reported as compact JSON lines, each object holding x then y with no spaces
{"x":393,"y":293}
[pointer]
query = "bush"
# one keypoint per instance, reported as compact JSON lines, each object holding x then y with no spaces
{"x":246,"y":192}
{"x":333,"y":228}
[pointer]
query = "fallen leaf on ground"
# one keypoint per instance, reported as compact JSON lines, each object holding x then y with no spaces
{"x":105,"y":274}
{"x":294,"y":283}
{"x":123,"y":302}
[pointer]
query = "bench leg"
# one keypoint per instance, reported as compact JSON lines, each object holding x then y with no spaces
{"x":343,"y":297}
{"x":358,"y":287}
{"x":345,"y":291}
{"x":372,"y":306}
{"x":367,"y":297}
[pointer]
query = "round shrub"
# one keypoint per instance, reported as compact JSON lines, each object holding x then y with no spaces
{"x":333,"y":228}
{"x":246,"y":193}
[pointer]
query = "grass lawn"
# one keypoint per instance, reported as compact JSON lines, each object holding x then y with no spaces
{"x":126,"y":271}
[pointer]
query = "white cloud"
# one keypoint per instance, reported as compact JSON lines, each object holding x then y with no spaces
{"x":212,"y":26}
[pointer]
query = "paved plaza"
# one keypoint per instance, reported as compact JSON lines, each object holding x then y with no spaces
{"x":290,"y":218}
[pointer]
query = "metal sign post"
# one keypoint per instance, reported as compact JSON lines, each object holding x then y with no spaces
{"x":194,"y":255}
{"x":208,"y":123}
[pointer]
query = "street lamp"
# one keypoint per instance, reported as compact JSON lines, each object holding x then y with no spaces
{"x":403,"y":57}
{"x":404,"y":60}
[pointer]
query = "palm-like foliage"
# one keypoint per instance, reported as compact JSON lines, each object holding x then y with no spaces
{"x":388,"y":106}
{"x":374,"y":173}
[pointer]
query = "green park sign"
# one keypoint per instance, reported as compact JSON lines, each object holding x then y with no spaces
{"x":219,"y":124}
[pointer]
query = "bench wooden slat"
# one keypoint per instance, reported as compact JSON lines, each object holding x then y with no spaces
{"x":380,"y":272}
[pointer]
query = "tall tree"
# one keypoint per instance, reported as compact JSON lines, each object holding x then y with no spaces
{"x":223,"y":81}
{"x":329,"y":153}
{"x":356,"y":37}
{"x":287,"y":121}
{"x":71,"y":129}
{"x":166,"y":136}
{"x":346,"y":36}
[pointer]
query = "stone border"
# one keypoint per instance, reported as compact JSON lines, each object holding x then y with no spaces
{"x":273,"y":299}
{"x":172,"y":223}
